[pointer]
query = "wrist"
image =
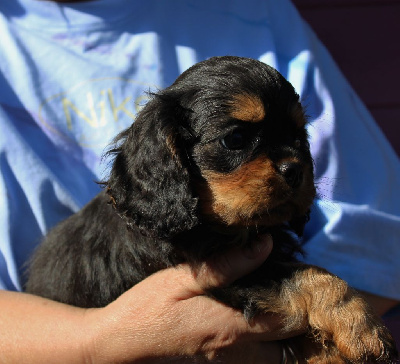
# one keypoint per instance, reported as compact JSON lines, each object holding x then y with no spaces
{"x":110,"y":337}
{"x":97,"y":346}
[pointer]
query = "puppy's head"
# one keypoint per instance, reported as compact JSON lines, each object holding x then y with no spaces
{"x":224,"y":145}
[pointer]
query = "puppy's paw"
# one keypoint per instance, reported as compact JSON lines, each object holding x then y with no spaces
{"x":360,"y":336}
{"x":339,"y":321}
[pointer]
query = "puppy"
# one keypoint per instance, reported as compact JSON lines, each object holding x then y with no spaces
{"x":211,"y":162}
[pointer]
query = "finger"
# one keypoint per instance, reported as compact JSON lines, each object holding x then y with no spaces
{"x":220,"y":271}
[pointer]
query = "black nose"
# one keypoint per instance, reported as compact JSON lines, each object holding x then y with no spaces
{"x":292,"y":172}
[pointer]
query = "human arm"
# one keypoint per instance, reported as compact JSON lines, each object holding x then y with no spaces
{"x":163,"y":318}
{"x":34,"y":330}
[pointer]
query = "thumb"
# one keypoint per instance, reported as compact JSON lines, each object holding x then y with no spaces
{"x":222,"y":270}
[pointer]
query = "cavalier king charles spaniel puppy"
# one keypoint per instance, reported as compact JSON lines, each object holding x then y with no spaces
{"x":212,"y":161}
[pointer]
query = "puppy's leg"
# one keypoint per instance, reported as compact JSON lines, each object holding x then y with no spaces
{"x":339,"y":320}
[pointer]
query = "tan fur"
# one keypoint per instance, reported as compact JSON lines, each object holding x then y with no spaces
{"x":248,"y":108}
{"x":248,"y":191}
{"x":170,"y":143}
{"x":336,"y":312}
{"x":252,"y":194}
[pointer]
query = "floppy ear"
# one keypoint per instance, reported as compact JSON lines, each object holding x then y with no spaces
{"x":150,"y":182}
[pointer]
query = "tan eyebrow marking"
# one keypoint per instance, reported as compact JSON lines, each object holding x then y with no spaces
{"x":247,"y":108}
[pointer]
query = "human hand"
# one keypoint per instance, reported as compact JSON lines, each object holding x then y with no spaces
{"x":168,"y":318}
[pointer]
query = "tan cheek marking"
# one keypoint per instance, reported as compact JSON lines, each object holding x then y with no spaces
{"x":248,"y":108}
{"x":237,"y":197}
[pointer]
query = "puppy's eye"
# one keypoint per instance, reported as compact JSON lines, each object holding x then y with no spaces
{"x":297,"y":143}
{"x":234,"y":141}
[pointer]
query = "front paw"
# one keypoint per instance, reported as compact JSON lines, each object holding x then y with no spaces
{"x":359,"y":335}
{"x":341,"y":324}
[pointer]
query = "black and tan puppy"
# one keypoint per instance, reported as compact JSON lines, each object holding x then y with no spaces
{"x":213,"y":160}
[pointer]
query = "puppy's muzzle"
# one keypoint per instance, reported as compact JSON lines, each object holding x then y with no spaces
{"x":292,"y":172}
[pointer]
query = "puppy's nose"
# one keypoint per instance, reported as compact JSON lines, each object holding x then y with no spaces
{"x":292,"y":172}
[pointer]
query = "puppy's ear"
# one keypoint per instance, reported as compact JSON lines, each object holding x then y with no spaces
{"x":150,"y":181}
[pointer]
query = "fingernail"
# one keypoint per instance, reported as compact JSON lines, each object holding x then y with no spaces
{"x":260,"y":246}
